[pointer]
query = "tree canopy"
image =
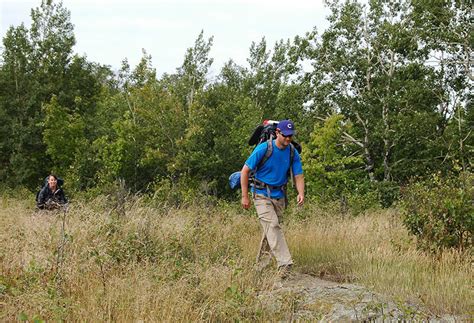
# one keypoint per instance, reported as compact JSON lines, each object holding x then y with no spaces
{"x":383,"y":95}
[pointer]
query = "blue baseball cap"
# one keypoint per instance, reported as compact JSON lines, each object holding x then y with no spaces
{"x":287,"y":127}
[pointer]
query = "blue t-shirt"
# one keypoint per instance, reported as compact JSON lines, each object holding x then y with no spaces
{"x":274,"y":171}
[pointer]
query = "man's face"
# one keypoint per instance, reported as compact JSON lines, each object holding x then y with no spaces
{"x":282,"y":139}
{"x":52,"y":182}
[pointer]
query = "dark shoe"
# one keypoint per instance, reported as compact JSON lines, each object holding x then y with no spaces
{"x":284,"y":271}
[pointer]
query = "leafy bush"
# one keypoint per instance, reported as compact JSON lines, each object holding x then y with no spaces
{"x":359,"y":203}
{"x":184,"y":191}
{"x":388,"y":193}
{"x":440,"y":212}
{"x":333,"y":169}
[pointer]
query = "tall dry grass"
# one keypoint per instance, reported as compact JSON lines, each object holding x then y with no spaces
{"x":150,"y":264}
{"x":197,"y":263}
{"x":376,"y":251}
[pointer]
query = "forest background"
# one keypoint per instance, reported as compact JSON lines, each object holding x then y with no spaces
{"x":382,"y":100}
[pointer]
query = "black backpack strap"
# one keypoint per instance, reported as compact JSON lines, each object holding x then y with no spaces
{"x":267,"y":155}
{"x":292,"y":156}
{"x":289,"y":174}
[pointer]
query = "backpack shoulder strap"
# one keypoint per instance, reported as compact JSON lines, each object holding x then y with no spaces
{"x":292,"y":156}
{"x":292,"y":153}
{"x":268,"y":153}
{"x":262,"y":161}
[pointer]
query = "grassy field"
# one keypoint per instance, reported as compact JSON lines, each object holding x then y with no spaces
{"x":197,"y":263}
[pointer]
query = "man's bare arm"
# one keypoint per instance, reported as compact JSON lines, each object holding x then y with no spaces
{"x":299,"y":182}
{"x":244,"y":184}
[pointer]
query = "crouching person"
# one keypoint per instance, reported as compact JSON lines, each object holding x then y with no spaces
{"x":51,"y":195}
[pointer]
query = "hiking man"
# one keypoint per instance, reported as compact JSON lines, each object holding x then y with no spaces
{"x":268,"y":185}
{"x":51,"y":195}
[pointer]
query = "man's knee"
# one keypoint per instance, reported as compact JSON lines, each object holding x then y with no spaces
{"x":270,"y":226}
{"x":275,"y":225}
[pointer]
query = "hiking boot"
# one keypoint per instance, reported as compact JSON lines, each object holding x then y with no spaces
{"x":284,"y":271}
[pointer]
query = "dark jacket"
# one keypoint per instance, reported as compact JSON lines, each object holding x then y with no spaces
{"x":47,"y":197}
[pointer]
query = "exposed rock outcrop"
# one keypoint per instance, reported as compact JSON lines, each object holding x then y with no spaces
{"x":316,"y":299}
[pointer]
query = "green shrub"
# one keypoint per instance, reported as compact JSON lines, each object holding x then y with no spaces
{"x":440,"y":212}
{"x":184,"y":191}
{"x":360,"y":203}
{"x":388,"y":193}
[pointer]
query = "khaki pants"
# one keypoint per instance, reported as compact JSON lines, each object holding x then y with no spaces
{"x":270,"y":212}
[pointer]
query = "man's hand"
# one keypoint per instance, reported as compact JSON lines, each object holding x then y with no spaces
{"x":299,"y":182}
{"x":300,"y":199}
{"x":245,"y":202}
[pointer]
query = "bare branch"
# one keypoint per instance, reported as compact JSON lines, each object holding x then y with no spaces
{"x":468,"y":135}
{"x":352,"y":139}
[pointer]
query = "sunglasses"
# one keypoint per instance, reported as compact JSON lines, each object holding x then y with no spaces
{"x":284,"y":136}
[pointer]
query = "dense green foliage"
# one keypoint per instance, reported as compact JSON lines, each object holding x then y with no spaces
{"x":440,"y":212}
{"x":383,"y":95}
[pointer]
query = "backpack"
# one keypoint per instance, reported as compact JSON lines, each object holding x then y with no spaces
{"x":265,"y":132}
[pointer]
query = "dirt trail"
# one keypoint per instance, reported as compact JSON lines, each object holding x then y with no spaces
{"x":311,"y":298}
